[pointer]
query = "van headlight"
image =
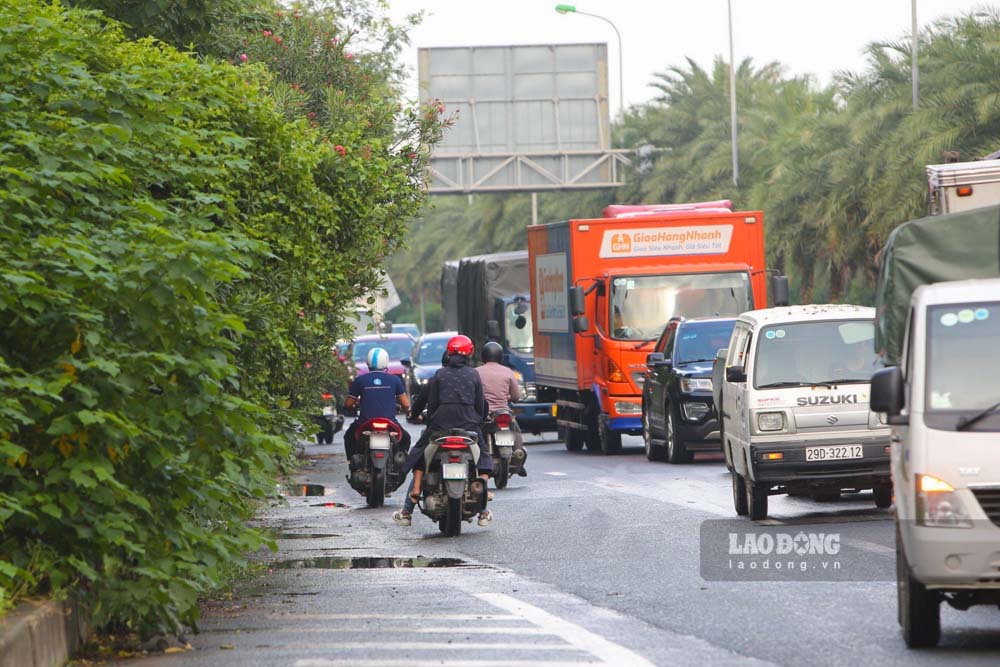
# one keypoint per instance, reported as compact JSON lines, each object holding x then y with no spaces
{"x":696,"y":384}
{"x":938,"y":505}
{"x":770,"y":421}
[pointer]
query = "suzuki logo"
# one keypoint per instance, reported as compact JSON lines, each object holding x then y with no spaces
{"x":831,"y":420}
{"x":621,"y":243}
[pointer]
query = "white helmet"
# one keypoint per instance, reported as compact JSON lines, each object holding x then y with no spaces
{"x":378,"y":359}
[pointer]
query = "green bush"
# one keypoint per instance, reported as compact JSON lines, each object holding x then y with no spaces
{"x":175,"y":248}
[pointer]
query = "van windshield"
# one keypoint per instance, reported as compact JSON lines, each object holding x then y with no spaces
{"x":642,"y":305}
{"x":962,"y":364}
{"x":815,"y":353}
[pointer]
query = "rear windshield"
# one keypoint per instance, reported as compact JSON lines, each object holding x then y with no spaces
{"x":431,"y":350}
{"x":701,"y":341}
{"x":396,"y":347}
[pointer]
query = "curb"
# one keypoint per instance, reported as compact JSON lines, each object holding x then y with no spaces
{"x":42,"y":633}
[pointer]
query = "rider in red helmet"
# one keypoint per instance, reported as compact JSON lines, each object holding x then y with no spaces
{"x":454,"y":398}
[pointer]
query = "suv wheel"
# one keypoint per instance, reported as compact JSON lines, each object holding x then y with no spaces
{"x":653,"y":452}
{"x":677,"y":451}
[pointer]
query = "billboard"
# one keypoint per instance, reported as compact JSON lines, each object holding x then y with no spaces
{"x":530,"y":117}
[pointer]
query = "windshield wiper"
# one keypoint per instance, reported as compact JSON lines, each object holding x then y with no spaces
{"x":644,"y":343}
{"x":966,"y":422}
{"x":696,"y":361}
{"x":834,"y":383}
{"x":776,"y":385}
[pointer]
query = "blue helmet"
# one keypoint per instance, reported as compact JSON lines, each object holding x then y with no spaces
{"x":378,"y":359}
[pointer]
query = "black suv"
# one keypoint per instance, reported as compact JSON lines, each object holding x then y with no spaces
{"x":677,"y":414}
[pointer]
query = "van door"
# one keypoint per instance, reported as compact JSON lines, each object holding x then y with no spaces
{"x":729,"y":410}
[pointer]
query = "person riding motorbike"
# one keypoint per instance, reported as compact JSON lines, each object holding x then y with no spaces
{"x":375,"y":393}
{"x":454,"y":398}
{"x":500,"y":387}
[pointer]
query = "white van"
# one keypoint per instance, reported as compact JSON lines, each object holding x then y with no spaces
{"x":795,"y":416}
{"x":942,"y":403}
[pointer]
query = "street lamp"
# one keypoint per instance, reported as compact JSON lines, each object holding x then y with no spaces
{"x":915,"y":68}
{"x":571,"y":9}
{"x":732,"y":99}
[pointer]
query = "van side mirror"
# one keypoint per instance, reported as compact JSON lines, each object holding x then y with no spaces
{"x":493,"y":329}
{"x":581,"y":324}
{"x":577,"y":304}
{"x":736,"y":374}
{"x":887,"y":393}
{"x":779,"y":291}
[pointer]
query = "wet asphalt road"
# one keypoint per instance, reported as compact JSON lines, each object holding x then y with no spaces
{"x":590,"y":560}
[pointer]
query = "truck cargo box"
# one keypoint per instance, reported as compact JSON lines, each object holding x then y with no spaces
{"x":482,"y":279}
{"x":940,"y":248}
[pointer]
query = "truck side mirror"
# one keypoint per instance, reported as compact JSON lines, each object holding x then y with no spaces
{"x":736,"y":374}
{"x":581,"y":324}
{"x":887,"y":392}
{"x":779,"y":291}
{"x":576,"y":301}
{"x":493,"y":329}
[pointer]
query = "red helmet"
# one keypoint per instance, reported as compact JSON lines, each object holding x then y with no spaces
{"x":460,"y":345}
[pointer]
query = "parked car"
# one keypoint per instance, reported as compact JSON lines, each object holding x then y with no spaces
{"x":398,"y":345}
{"x":426,"y":359}
{"x":678,"y":417}
{"x":409,"y":328}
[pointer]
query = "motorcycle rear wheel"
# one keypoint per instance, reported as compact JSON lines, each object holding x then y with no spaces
{"x":502,"y":472}
{"x":451,"y":524}
{"x":376,"y":490}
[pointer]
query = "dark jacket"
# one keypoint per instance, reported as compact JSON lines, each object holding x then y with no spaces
{"x":454,"y":398}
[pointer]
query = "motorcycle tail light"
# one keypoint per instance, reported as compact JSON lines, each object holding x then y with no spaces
{"x":327,"y":397}
{"x":454,"y":443}
{"x":454,"y":459}
{"x":502,"y":420}
{"x":380,"y":455}
{"x":380,"y":425}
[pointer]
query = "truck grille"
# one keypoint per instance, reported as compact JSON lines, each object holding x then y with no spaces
{"x":989,"y":500}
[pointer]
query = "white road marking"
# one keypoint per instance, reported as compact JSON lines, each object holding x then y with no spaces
{"x":579,"y":637}
{"x":432,"y":646}
{"x":556,"y":474}
{"x":415,"y":662}
{"x":872,"y":547}
{"x":478,"y":631}
{"x":406,"y":617}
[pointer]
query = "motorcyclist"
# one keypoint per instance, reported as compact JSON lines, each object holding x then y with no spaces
{"x":501,"y":388}
{"x":375,"y":394}
{"x":454,"y":398}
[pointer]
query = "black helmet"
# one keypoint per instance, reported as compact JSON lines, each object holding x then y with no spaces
{"x":492,"y":351}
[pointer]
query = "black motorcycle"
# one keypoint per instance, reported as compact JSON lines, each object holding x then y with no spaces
{"x":506,"y":461}
{"x":451,"y":491}
{"x":330,"y":421}
{"x":380,"y":469}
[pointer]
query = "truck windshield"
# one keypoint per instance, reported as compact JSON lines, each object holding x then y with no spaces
{"x":815,"y":353}
{"x":518,"y":327}
{"x":641,"y":305}
{"x":962,"y":364}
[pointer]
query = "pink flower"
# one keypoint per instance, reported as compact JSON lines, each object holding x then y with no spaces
{"x":267,"y":33}
{"x":311,"y":115}
{"x":302,"y":313}
{"x":341,"y":150}
{"x":277,"y":40}
{"x":243,"y":57}
{"x":349,"y":55}
{"x":308,"y":364}
{"x":413,"y":156}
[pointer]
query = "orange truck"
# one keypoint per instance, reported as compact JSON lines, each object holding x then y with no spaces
{"x":603,"y":290}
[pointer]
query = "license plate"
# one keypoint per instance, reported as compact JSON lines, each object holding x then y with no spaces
{"x":378,"y":441}
{"x":454,"y":470}
{"x":833,"y":453}
{"x":327,"y":410}
{"x":505,"y":439}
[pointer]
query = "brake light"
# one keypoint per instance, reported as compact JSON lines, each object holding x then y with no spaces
{"x":502,"y":420}
{"x":454,"y":443}
{"x":327,"y":397}
{"x":614,"y":373}
{"x":379,"y":455}
{"x":454,"y":459}
{"x":380,"y":424}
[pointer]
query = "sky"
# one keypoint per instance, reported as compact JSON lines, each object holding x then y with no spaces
{"x":817,"y":37}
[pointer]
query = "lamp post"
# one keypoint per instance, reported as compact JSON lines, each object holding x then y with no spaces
{"x":732,"y":99}
{"x":571,"y":9}
{"x":913,"y":48}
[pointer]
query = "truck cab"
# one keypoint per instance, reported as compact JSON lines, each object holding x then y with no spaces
{"x":795,"y":414}
{"x":941,"y":402}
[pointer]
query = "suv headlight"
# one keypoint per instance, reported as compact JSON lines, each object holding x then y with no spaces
{"x":938,"y":505}
{"x":770,"y":421}
{"x":696,"y":384}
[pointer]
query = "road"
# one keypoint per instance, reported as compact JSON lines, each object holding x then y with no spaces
{"x":590,"y":560}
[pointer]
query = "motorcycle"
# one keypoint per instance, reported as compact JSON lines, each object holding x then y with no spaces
{"x":382,"y":460}
{"x":451,"y":491}
{"x":330,"y":421}
{"x":506,"y":461}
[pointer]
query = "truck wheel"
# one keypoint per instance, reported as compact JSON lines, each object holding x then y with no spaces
{"x":611,"y":442}
{"x":756,"y":500}
{"x":883,"y":496}
{"x":572,"y":438}
{"x":919,"y":608}
{"x":677,"y":451}
{"x":739,"y":493}
{"x":653,"y":452}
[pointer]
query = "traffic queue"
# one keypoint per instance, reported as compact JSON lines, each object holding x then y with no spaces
{"x":654,"y":321}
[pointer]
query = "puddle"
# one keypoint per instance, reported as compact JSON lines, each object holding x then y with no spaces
{"x":289,"y":490}
{"x":343,"y":505}
{"x":304,"y":536}
{"x":365,"y":563}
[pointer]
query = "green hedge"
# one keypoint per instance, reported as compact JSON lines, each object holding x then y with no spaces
{"x":163,"y":230}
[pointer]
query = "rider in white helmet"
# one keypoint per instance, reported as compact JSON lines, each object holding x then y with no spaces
{"x":375,"y":394}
